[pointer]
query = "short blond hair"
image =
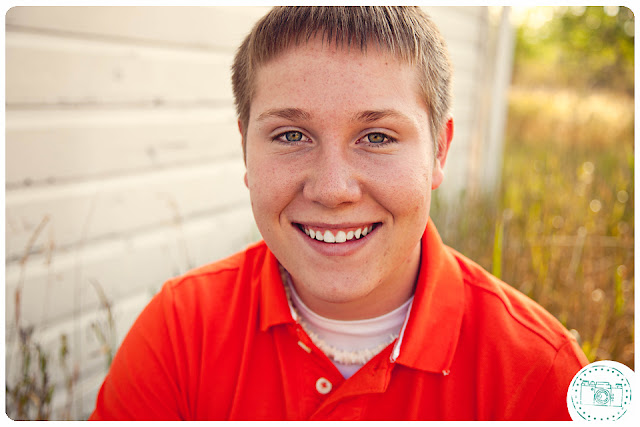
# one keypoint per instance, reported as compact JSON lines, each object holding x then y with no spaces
{"x":406,"y":32}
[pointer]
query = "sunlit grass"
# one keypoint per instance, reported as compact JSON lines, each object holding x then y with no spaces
{"x":562,"y":225}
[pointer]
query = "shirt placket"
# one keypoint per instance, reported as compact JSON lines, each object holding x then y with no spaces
{"x":308,"y":375}
{"x":324,"y":375}
{"x":349,"y":401}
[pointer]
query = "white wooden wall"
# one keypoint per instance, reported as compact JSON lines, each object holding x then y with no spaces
{"x":124,"y":165}
{"x":481,"y":48}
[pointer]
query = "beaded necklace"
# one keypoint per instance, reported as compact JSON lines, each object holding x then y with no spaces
{"x":345,"y":357}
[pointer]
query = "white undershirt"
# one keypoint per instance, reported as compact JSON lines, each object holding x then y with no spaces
{"x":352,"y":335}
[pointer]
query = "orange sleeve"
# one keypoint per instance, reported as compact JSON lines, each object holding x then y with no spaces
{"x":550,"y":400}
{"x":142,"y":383}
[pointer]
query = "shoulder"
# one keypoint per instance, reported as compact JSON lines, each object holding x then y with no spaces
{"x":225,"y":268}
{"x":204,"y":300}
{"x":190,"y":317}
{"x":517,"y":346}
{"x":506,"y":311}
{"x":216,"y":283}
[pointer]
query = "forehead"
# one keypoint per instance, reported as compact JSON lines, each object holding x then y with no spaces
{"x":318,"y":71}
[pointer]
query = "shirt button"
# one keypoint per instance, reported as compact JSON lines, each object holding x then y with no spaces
{"x":323,"y":386}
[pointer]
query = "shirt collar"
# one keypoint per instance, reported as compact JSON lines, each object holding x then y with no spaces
{"x":274,"y":307}
{"x":430,"y":335}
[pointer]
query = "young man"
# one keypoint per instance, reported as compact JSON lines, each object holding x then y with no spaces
{"x":351,"y":308}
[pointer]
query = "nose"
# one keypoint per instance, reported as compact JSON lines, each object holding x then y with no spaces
{"x":333,"y":179}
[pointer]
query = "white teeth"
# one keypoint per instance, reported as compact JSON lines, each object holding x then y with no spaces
{"x":339,"y":237}
{"x":329,"y":237}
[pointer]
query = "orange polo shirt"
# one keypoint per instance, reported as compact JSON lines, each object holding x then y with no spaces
{"x":220,"y":344}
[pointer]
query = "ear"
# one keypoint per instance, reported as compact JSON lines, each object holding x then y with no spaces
{"x":444,"y":142}
{"x":244,"y":152}
{"x":243,"y":141}
{"x":240,"y":129}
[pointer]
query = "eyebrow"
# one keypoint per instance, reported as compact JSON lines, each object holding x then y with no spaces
{"x":298,"y":114}
{"x":370,"y":116}
{"x":293,"y":114}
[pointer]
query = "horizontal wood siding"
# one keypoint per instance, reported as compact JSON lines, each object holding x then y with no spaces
{"x":101,"y":143}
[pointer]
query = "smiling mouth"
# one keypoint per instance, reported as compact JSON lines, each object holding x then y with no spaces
{"x":338,"y":235}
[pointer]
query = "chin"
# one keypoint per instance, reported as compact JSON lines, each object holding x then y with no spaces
{"x":336,"y":288}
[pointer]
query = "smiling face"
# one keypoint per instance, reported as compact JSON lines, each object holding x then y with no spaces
{"x":340,"y":169}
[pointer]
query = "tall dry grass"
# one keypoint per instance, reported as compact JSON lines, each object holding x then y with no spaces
{"x":561,"y":228}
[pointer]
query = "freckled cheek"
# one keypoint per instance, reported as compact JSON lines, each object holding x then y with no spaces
{"x":271,"y":187}
{"x":403,"y":190}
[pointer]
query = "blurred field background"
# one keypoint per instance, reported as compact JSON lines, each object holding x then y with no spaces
{"x":561,"y":228}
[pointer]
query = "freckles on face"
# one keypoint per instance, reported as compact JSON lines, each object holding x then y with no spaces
{"x":339,"y":141}
{"x":270,"y":186}
{"x":407,"y":186}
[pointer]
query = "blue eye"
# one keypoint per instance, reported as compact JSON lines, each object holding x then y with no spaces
{"x":376,"y":138}
{"x":293,"y":136}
